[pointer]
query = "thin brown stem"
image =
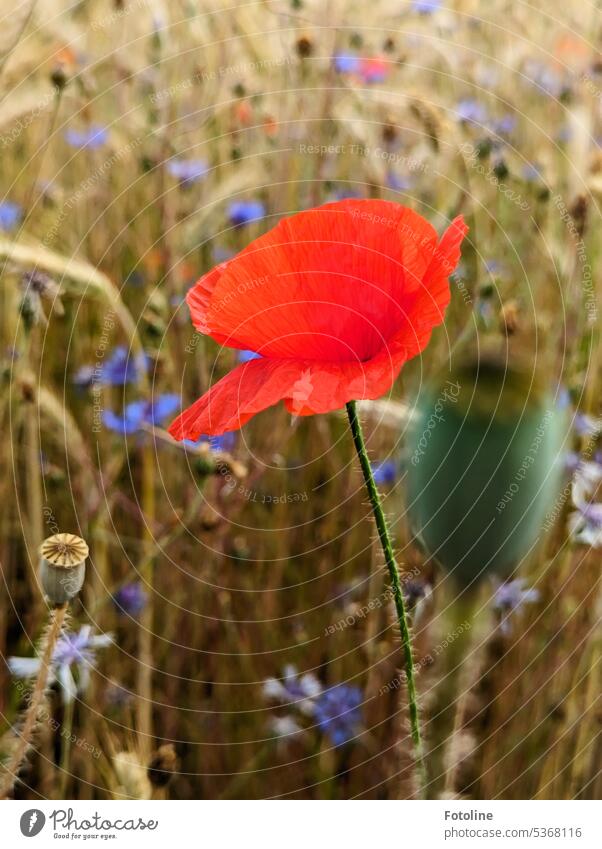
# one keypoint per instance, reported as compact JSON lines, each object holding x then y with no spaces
{"x":55,"y":626}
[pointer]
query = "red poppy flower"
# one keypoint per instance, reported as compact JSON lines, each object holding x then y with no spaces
{"x":375,"y":70}
{"x":335,"y":300}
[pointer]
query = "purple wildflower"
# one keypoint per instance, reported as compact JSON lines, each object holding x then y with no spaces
{"x":346,"y":63}
{"x":284,"y":726}
{"x":398,"y":183}
{"x":75,"y":651}
{"x":545,"y":79}
{"x":426,"y":7}
{"x":93,"y":137}
{"x":243,"y":212}
{"x":531,"y":173}
{"x":585,"y":523}
{"x":338,"y":713}
{"x":131,"y":598}
{"x":470,"y":111}
{"x":586,"y":425}
{"x":503,"y":126}
{"x":298,"y":691}
{"x":187,"y":171}
{"x":141,"y":414}
{"x":509,"y":598}
{"x":120,"y":368}
{"x":10,"y":215}
{"x":384,"y":472}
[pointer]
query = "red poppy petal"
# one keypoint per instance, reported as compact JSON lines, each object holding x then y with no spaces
{"x":198,"y":299}
{"x":307,"y":387}
{"x":233,"y":400}
{"x":324,"y":387}
{"x":443,"y":263}
{"x":427,"y":309}
{"x":327,"y":284}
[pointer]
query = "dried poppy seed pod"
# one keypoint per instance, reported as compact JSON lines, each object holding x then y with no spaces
{"x":484,"y":467}
{"x":62,"y":566}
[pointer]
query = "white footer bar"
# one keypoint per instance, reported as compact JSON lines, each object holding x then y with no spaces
{"x":302,"y":824}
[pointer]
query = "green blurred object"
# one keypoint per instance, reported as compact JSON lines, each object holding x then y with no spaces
{"x":484,"y":467}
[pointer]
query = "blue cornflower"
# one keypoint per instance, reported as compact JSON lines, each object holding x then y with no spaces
{"x":399,"y":184}
{"x":94,"y":137}
{"x":384,"y":472}
{"x":426,"y":7}
{"x":74,"y":651}
{"x":572,"y":461}
{"x":346,"y":63}
{"x":531,"y":172}
{"x":87,"y":376}
{"x":493,"y":267}
{"x":131,"y":598}
{"x":586,"y":425}
{"x":503,"y":126}
{"x":140,"y":414}
{"x":241,"y":212}
{"x":338,"y":713}
{"x":284,"y":726}
{"x":10,"y":215}
{"x":187,"y":171}
{"x":544,"y":78}
{"x":298,"y":691}
{"x":510,"y":597}
{"x":224,"y":443}
{"x":247,"y":356}
{"x":470,"y":111}
{"x":585,"y":523}
{"x":121,"y":367}
{"x":118,"y":369}
{"x":415,"y":591}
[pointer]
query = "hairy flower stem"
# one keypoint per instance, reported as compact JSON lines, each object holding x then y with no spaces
{"x":55,"y":625}
{"x":145,"y":632}
{"x":66,"y":749}
{"x":387,"y":547}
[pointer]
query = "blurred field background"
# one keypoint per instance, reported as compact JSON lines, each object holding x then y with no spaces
{"x":254,"y":650}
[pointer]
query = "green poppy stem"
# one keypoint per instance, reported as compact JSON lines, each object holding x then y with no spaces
{"x":387,"y":547}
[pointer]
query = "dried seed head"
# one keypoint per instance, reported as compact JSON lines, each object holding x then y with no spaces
{"x":389,"y":131}
{"x":35,"y":286}
{"x":304,"y":47}
{"x":578,"y":211}
{"x":40,"y":283}
{"x":162,"y":765}
{"x":63,"y":566}
{"x":64,"y":550}
{"x":510,"y":317}
{"x":58,"y":76}
{"x":131,"y":775}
